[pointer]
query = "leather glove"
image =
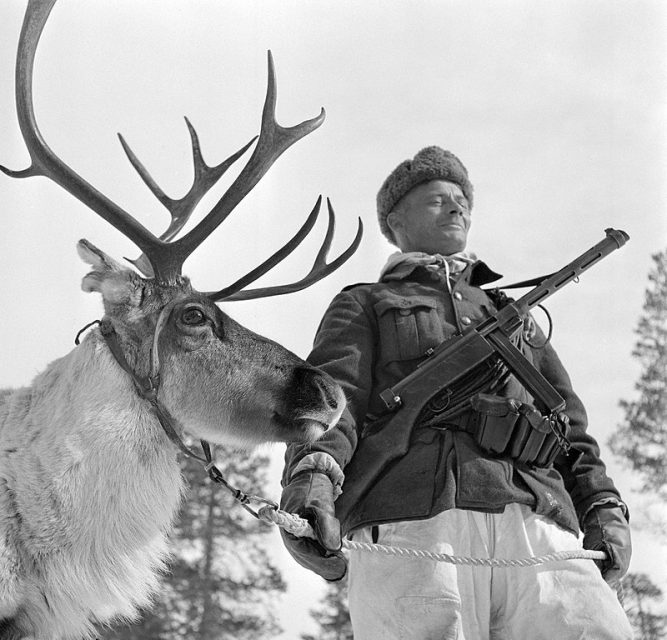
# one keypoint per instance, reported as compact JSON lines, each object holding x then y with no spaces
{"x":311,"y":496}
{"x":606,"y":529}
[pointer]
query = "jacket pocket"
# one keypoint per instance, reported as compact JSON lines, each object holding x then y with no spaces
{"x":484,"y":482}
{"x":408,"y":326}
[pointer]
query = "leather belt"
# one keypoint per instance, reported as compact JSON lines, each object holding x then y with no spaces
{"x":466,"y":421}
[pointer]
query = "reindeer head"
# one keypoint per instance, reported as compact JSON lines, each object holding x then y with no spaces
{"x":220,"y":380}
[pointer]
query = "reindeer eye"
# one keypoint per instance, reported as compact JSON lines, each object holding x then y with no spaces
{"x":193,"y":316}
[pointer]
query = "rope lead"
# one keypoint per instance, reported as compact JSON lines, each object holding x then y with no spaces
{"x":299,"y":527}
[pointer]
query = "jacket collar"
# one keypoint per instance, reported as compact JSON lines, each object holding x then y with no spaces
{"x":410,"y":266}
{"x":481,"y":274}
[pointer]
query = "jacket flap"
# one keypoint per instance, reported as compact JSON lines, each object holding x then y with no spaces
{"x":393,"y":301}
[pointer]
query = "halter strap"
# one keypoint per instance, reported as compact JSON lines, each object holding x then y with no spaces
{"x":147,"y":388}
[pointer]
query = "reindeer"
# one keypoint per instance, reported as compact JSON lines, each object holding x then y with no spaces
{"x":89,"y":481}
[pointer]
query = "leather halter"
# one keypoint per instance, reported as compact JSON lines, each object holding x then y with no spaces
{"x":148,"y":388}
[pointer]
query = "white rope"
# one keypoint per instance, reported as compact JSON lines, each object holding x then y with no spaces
{"x":575,"y":554}
{"x":299,"y":527}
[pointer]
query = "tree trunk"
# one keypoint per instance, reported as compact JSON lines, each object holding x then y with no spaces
{"x":207,"y":566}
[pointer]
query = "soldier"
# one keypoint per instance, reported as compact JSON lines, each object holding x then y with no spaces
{"x":449,"y":493}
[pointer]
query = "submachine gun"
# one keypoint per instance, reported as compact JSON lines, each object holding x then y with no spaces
{"x":448,"y":363}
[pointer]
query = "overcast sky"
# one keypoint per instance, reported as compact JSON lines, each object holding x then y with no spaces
{"x":557,"y":109}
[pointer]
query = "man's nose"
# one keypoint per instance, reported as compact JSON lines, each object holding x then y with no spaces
{"x":454,"y":208}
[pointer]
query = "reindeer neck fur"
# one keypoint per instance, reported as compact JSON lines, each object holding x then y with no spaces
{"x":89,"y":478}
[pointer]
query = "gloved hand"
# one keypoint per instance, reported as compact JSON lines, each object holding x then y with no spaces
{"x":311,"y":495}
{"x":606,"y":529}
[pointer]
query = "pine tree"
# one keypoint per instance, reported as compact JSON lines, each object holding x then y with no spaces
{"x":638,"y":589}
{"x":333,"y":615}
{"x":642,"y":439}
{"x":222,"y":584}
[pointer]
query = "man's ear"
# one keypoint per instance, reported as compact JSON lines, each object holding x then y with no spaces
{"x":394,"y":221}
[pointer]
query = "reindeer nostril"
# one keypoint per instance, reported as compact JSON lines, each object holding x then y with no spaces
{"x":317,"y":391}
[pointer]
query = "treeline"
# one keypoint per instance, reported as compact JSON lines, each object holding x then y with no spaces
{"x":222,"y":583}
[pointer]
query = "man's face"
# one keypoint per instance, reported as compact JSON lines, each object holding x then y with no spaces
{"x":434,"y":218}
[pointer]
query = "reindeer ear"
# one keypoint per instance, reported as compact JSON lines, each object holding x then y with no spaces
{"x":89,"y":253}
{"x":116,"y":283}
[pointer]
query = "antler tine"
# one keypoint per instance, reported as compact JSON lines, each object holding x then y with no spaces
{"x":320,"y":268}
{"x":272,"y":261}
{"x":44,"y":161}
{"x":273,"y":141}
{"x":181,"y":209}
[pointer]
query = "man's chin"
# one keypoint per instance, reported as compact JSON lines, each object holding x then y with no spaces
{"x":448,"y":248}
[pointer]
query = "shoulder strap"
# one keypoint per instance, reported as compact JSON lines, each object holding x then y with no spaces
{"x":356,"y":284}
{"x":533,"y":282}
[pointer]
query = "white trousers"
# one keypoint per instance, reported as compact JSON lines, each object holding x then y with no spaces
{"x":410,"y":598}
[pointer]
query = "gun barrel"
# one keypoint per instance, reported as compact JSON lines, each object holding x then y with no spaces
{"x":620,"y":237}
{"x":613,"y":240}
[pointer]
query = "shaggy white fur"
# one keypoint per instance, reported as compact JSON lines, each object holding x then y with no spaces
{"x":89,"y":482}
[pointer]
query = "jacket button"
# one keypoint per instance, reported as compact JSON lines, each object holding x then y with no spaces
{"x":466,"y":320}
{"x":404,"y":312}
{"x":457,"y":295}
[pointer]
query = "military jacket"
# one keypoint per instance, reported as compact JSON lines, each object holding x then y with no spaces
{"x":373,"y":335}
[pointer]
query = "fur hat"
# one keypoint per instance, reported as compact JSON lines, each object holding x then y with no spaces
{"x":431,"y":163}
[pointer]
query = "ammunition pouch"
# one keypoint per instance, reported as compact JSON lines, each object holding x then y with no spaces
{"x":507,"y":427}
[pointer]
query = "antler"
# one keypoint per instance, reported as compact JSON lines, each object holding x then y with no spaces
{"x":43,"y":161}
{"x":272,"y":142}
{"x":319,"y":270}
{"x":164,"y":257}
{"x":181,"y":209}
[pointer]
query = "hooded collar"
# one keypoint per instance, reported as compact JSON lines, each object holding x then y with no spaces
{"x":401,"y":266}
